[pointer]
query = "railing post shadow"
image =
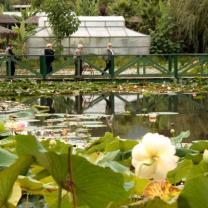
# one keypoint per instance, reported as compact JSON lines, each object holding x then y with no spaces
{"x":112,"y":103}
{"x":175,"y":57}
{"x":170,"y":63}
{"x":78,"y":67}
{"x":42,"y":62}
{"x":8,"y":67}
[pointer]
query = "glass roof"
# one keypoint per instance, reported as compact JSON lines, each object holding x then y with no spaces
{"x":95,"y":26}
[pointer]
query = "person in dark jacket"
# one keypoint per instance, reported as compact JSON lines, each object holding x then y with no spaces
{"x":49,"y":57}
{"x":9,"y":52}
{"x":108,"y":57}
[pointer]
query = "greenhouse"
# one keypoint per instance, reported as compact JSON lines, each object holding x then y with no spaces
{"x":94,"y":33}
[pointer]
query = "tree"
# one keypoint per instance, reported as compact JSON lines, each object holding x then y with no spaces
{"x":164,"y":37}
{"x":147,"y":11}
{"x":22,"y":35}
{"x":38,"y":4}
{"x":61,"y":18}
{"x":86,"y":7}
{"x":191,"y":18}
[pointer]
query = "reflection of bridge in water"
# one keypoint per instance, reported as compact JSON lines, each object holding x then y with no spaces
{"x":137,"y":103}
{"x":114,"y":103}
{"x":129,"y":112}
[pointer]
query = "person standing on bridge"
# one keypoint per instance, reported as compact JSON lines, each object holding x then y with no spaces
{"x":9,"y":52}
{"x":108,"y":57}
{"x":49,"y":57}
{"x":78,"y":59}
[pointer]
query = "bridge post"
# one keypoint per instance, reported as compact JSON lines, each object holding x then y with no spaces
{"x":111,"y":70}
{"x":42,"y":62}
{"x":176,"y":66}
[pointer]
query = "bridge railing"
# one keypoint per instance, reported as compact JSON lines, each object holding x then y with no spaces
{"x":123,"y":66}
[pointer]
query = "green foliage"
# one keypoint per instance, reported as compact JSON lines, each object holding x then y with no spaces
{"x":156,"y":203}
{"x":150,"y":13}
{"x":2,"y":128}
{"x":6,"y":158}
{"x":88,"y":182}
{"x":191,"y":19}
{"x":86,"y":7}
{"x":181,"y":172}
{"x":61,"y":17}
{"x":194,"y":193}
{"x":8,"y":177}
{"x":39,"y":4}
{"x":199,"y":145}
{"x":97,"y":176}
{"x":164,"y":37}
{"x":22,"y":35}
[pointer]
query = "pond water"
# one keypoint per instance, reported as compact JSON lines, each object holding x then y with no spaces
{"x":125,"y":115}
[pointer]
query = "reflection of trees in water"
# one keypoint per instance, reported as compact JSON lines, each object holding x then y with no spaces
{"x":64,"y":104}
{"x":167,"y":103}
{"x":123,"y":124}
{"x":152,"y":103}
{"x":195,"y":122}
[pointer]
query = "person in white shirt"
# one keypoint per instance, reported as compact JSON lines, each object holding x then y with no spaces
{"x":108,"y":57}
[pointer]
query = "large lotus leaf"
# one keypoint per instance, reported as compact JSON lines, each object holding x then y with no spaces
{"x":6,"y":158}
{"x":57,"y":146}
{"x":28,"y":145}
{"x":7,"y":143}
{"x":52,"y":200}
{"x":199,"y":145}
{"x":120,"y":144}
{"x":194,"y":194}
{"x":95,"y":186}
{"x":99,"y":145}
{"x":181,"y":172}
{"x":140,"y":185}
{"x":15,"y":196}
{"x":2,"y":128}
{"x":8,"y":177}
{"x":56,"y":164}
{"x":198,"y":170}
{"x":35,"y":187}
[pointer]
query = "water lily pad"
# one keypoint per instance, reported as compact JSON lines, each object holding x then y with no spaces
{"x":94,"y":125}
{"x":53,"y":120}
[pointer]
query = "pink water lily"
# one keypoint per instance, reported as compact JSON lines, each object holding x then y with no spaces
{"x":16,"y":126}
{"x":20,"y":125}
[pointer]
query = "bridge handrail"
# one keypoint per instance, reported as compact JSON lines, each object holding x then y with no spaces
{"x":174,"y":65}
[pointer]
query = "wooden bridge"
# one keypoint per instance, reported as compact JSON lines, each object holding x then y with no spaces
{"x":153,"y":66}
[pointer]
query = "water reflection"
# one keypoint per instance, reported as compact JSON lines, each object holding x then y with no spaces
{"x":125,"y":115}
{"x":129,"y":113}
